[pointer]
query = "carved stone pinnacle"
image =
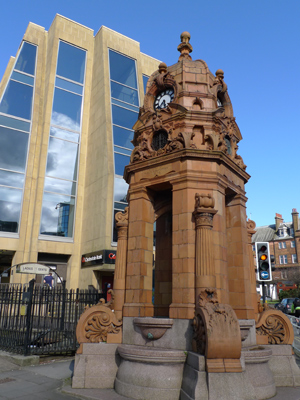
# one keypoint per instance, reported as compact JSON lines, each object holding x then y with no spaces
{"x":185,"y":47}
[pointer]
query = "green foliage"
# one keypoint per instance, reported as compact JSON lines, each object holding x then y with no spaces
{"x":289,"y":293}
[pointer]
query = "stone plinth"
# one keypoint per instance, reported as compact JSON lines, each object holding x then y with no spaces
{"x":149,"y":373}
{"x":194,"y":385}
{"x":96,"y":367}
{"x":283,"y":365}
{"x":258,"y":371}
{"x":248,"y":333}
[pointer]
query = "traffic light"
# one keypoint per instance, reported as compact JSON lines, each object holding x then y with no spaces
{"x":263,"y":261}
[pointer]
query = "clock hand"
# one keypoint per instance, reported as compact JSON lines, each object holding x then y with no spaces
{"x":163,"y":104}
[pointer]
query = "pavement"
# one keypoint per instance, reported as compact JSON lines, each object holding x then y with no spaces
{"x":51,"y":379}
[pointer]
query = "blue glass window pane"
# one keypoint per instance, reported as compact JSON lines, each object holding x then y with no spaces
{"x":120,"y":163}
{"x":122,"y":104}
{"x":10,"y":207}
{"x":122,"y":69}
{"x":26,"y":59}
{"x":13,"y":149}
{"x":72,"y":87}
{"x":22,"y":78}
{"x":120,"y":206}
{"x":66,"y":110}
{"x":62,"y":159}
{"x":54,"y":217}
{"x":60,"y":186}
{"x":13,"y":179}
{"x":122,"y":137}
{"x":17,"y":100}
{"x":124,"y":93}
{"x":145,"y":80}
{"x":14,"y":123}
{"x":66,"y":135}
{"x":124,"y":117}
{"x":120,"y":190}
{"x":71,"y":62}
{"x":118,"y":149}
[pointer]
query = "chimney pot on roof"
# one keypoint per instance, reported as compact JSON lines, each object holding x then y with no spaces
{"x":295,"y":217}
{"x":278,"y":220}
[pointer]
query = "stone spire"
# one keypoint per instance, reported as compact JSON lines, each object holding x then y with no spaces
{"x":185,"y":47}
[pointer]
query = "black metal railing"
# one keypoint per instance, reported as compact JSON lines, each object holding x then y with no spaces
{"x":40,"y":320}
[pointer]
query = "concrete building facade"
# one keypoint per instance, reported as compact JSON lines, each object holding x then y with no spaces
{"x":68,"y":101}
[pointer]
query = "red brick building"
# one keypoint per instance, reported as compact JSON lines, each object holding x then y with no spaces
{"x":284,"y":241}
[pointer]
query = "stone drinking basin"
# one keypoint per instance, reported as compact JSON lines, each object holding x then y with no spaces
{"x":153,"y":328}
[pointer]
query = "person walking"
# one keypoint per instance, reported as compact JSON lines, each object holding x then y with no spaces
{"x":48,"y":280}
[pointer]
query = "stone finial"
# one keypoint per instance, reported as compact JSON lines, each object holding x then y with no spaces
{"x":162,"y":68}
{"x":220,"y":73}
{"x":185,"y":37}
{"x":185,"y":47}
{"x":219,"y":80}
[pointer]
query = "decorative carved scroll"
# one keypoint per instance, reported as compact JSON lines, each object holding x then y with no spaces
{"x":274,"y":327}
{"x":144,"y":149}
{"x":251,"y":225}
{"x":219,"y":85}
{"x":164,"y":79}
{"x":217,"y":333}
{"x":98,"y":323}
{"x":204,"y":200}
{"x":121,"y":218}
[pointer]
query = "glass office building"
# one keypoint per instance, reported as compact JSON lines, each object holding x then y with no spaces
{"x":68,"y":101}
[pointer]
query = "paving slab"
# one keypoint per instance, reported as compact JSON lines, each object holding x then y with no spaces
{"x":51,"y":381}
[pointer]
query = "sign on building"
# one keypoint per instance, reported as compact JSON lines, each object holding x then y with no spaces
{"x":33,"y":268}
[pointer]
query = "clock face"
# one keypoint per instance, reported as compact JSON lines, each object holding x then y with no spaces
{"x":164,"y":98}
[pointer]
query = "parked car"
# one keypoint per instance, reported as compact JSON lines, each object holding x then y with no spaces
{"x":286,"y":305}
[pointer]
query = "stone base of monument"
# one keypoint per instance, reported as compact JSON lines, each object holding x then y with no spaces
{"x":197,"y":384}
{"x":96,"y":367}
{"x":194,"y":385}
{"x":149,"y":373}
{"x":283,"y":365}
{"x":258,"y":372}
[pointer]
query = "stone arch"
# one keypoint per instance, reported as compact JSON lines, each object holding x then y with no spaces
{"x":198,"y":104}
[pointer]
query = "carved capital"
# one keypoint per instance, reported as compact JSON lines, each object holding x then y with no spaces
{"x":204,"y":210}
{"x":203,"y":219}
{"x":121,"y":218}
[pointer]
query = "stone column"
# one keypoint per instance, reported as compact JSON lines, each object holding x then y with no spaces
{"x":238,"y":258}
{"x":120,"y":266}
{"x":138,"y":292}
{"x":205,"y":268}
{"x":251,"y":230}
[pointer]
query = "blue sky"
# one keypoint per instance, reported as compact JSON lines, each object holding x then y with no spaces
{"x":255,"y":42}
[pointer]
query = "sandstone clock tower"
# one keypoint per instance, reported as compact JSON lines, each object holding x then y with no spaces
{"x":185,"y":174}
{"x":185,"y":315}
